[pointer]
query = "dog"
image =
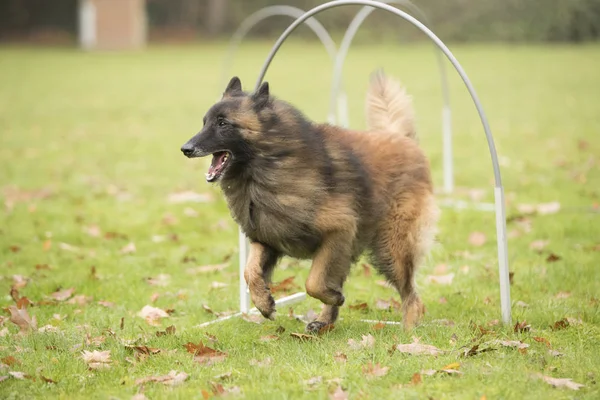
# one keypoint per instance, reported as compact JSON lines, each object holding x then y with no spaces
{"x":317,"y":191}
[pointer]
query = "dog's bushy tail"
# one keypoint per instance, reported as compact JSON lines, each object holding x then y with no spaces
{"x":389,"y":107}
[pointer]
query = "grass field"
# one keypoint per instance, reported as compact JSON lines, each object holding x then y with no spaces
{"x":89,"y":172}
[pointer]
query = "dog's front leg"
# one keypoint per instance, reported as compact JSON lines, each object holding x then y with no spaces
{"x":258,"y":272}
{"x":328,"y":273}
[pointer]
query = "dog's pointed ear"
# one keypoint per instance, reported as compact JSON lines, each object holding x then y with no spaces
{"x":233,"y":87}
{"x":261,"y":96}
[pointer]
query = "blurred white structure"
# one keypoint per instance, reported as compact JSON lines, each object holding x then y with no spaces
{"x":112,"y":24}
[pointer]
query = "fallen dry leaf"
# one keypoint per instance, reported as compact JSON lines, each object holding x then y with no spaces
{"x":513,"y":343}
{"x":128,"y":248}
{"x":440,"y":279}
{"x":375,"y":370}
{"x":19,"y":281}
{"x":303,"y":336}
{"x":107,"y":304}
{"x":416,"y":378}
{"x":560,"y":382}
{"x":340,"y":357}
{"x":21,"y":318}
{"x":97,"y":359}
{"x":206,"y":269}
{"x":285,"y":286}
{"x":93,"y":230}
{"x":562,"y":324}
{"x":542,"y":340}
{"x":161,"y":280}
{"x":62,"y":295}
{"x":218,"y":285}
{"x":522,"y":327}
{"x":521,"y":304}
{"x":68,"y":247}
{"x":477,"y":239}
{"x":553,"y":258}
{"x":418,"y":349}
{"x":152,"y":315}
{"x":47,"y":380}
{"x":254,"y":318}
{"x":10,"y":361}
{"x":562,"y":295}
{"x":378,"y":326}
{"x":173,"y":378}
{"x":204,"y":354}
{"x":170,"y":330}
{"x":18,"y":374}
{"x":359,"y":306}
{"x":338,"y":394}
{"x":367,"y":341}
{"x":382,"y":304}
{"x":548,"y":208}
{"x":555,"y":353}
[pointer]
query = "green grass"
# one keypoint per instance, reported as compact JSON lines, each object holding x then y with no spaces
{"x":101,"y":134}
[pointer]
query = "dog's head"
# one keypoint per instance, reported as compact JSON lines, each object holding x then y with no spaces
{"x":230,"y":127}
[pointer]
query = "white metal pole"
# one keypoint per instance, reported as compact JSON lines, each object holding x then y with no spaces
{"x":502,"y":254}
{"x":243,"y":256}
{"x":447,"y":149}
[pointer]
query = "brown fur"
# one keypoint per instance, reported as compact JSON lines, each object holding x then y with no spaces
{"x":325,"y":193}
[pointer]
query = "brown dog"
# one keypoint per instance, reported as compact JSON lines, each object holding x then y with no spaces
{"x":317,"y":191}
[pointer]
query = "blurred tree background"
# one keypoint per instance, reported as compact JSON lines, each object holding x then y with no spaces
{"x":452,"y":20}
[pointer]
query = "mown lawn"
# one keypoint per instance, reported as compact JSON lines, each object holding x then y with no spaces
{"x":90,"y":164}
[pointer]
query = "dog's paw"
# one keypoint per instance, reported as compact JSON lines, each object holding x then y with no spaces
{"x":267,"y":308}
{"x":314,"y":327}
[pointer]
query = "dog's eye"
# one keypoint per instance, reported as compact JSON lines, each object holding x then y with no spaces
{"x":221,"y":121}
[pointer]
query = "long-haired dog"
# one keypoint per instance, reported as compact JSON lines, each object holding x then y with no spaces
{"x":321,"y":192}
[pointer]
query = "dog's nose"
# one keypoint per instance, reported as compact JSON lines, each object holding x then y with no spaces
{"x":187,"y":149}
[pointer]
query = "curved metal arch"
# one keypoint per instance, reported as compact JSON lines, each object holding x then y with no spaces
{"x":498,"y":190}
{"x":349,"y":35}
{"x":281,"y":10}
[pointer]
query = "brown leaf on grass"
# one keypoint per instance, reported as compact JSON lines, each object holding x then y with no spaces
{"x":367,"y":341}
{"x":416,"y":378}
{"x":173,"y":378}
{"x":553,"y":258}
{"x":513,"y":343}
{"x":285,"y":286}
{"x":47,"y":380}
{"x":378,"y":326}
{"x":555,"y":353}
{"x":542,"y":340}
{"x":144,"y":350}
{"x":521,"y":304}
{"x":218,"y":285}
{"x":15,"y":248}
{"x":18,"y":375}
{"x":338,"y":394}
{"x":359,"y":306}
{"x":97,"y":359}
{"x":562,"y":324}
{"x":204,"y":354}
{"x":10,"y":361}
{"x":548,"y":208}
{"x":314,"y":381}
{"x":152,"y":315}
{"x":128,"y":248}
{"x":375,"y":370}
{"x":418,"y":349}
{"x":303,"y":336}
{"x":522,"y":327}
{"x":62,"y":295}
{"x":477,"y":239}
{"x":20,"y":281}
{"x":324,"y":329}
{"x":47,"y":245}
{"x":21,"y":318}
{"x":340,"y":357}
{"x":440,"y":279}
{"x":80,"y":299}
{"x":560,"y":382}
{"x":169,"y":331}
{"x":206,"y":269}
{"x":3,"y":378}
{"x":107,"y":304}
{"x":92,"y":230}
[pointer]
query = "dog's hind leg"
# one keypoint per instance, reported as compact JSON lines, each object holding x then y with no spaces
{"x":403,"y":239}
{"x":258,"y":272}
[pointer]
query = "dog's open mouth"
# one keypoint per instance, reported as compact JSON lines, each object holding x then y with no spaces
{"x":217,"y":166}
